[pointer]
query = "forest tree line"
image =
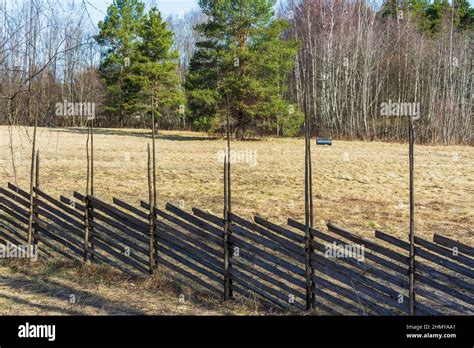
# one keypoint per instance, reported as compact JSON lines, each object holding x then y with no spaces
{"x":256,"y":62}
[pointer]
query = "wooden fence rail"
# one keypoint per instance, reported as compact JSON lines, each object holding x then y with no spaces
{"x":266,"y":260}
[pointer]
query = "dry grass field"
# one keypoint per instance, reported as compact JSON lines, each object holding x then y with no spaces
{"x":357,"y":185}
{"x":58,"y":288}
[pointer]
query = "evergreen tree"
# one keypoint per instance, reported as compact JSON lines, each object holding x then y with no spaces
{"x":418,"y":14}
{"x":137,"y":61}
{"x":240,"y":67}
{"x":435,"y":12}
{"x":429,"y":15}
{"x":465,"y":14}
{"x":390,"y":8}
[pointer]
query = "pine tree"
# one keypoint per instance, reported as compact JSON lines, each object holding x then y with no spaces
{"x":138,"y":62}
{"x":429,"y":15}
{"x":465,"y":14}
{"x":418,"y":14}
{"x":435,"y":12}
{"x":240,"y":68}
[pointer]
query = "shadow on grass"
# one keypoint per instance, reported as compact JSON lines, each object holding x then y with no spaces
{"x":44,"y":307}
{"x":138,"y":134}
{"x":61,"y":292}
{"x":146,"y":134}
{"x":205,"y":299}
{"x":41,"y":288}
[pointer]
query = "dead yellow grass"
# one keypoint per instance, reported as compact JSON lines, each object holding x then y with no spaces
{"x":358,"y":185}
{"x":62,"y":288}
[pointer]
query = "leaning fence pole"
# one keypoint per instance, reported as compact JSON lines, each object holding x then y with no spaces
{"x":32,"y":176}
{"x":311,"y":213}
{"x":155,"y":247}
{"x":411,"y":139}
{"x":89,"y":192}
{"x":86,"y":211}
{"x":226,"y":239}
{"x":92,"y":157}
{"x":310,"y":298}
{"x":152,"y":215}
{"x":91,"y":216}
{"x":229,"y":201}
{"x":154,"y":146}
{"x":35,"y":200}
{"x":228,"y":293}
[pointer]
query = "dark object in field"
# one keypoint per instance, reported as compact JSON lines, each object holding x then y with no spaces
{"x":323,"y":141}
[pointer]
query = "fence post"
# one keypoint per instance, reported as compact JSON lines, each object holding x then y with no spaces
{"x":411,"y":139}
{"x":90,"y":206}
{"x":32,"y":174}
{"x":227,"y":252}
{"x":35,"y":199}
{"x":152,"y":176}
{"x":86,"y":228}
{"x":228,"y":291}
{"x":310,"y":297}
{"x":152,"y":218}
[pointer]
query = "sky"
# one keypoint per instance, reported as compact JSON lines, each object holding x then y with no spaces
{"x":98,"y":8}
